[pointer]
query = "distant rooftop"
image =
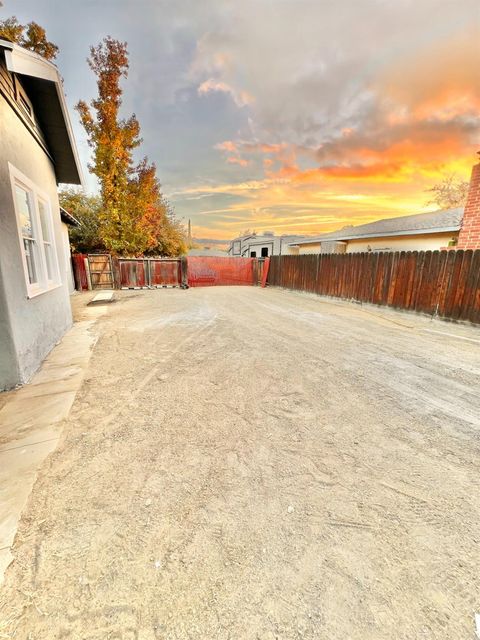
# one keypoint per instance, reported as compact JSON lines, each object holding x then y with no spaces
{"x":270,"y":234}
{"x":441,"y":221}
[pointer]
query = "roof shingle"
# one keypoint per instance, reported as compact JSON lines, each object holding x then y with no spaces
{"x":432,"y":222}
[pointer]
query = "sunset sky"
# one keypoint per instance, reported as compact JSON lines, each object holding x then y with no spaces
{"x":297,"y":116}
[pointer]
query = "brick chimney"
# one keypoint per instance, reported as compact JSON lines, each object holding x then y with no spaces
{"x":469,"y":236}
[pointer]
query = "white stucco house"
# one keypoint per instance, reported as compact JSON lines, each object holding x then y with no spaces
{"x":37,"y":152}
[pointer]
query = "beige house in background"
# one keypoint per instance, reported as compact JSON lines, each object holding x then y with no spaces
{"x":422,"y":232}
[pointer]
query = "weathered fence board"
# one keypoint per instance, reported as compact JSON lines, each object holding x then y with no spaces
{"x":79,"y":271}
{"x":132,"y":274}
{"x":141,"y":273}
{"x":165,"y":272}
{"x":258,"y":270}
{"x":443,"y":283}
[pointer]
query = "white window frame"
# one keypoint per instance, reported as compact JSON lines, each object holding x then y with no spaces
{"x":35,"y":194}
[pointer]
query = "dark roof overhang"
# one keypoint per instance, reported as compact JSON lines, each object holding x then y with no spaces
{"x":68,"y":218}
{"x":44,"y":87}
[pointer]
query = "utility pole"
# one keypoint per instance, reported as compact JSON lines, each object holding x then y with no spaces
{"x":189,"y":236}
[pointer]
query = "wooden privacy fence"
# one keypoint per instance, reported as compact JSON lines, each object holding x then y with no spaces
{"x":104,"y":271}
{"x":438,"y":283}
{"x":145,"y":273}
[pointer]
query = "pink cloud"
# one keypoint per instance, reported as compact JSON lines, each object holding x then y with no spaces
{"x":241,"y":98}
{"x":237,"y":160}
{"x":227,"y":145}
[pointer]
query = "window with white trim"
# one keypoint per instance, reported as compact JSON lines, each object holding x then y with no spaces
{"x":48,"y":243}
{"x":37,"y":240}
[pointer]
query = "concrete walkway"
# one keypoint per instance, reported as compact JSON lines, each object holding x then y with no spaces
{"x":31,"y":423}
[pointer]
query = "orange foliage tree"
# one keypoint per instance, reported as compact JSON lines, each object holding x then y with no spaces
{"x":31,"y":36}
{"x":134,"y":218}
{"x":163,"y":235}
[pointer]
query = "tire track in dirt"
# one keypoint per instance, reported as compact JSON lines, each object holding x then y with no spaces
{"x":246,"y":463}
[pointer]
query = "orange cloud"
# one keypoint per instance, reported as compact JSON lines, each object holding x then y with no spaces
{"x":444,"y":76}
{"x":423,"y":122}
{"x":253,"y":147}
{"x":236,"y":160}
{"x":227,"y":145}
{"x":231,"y":147}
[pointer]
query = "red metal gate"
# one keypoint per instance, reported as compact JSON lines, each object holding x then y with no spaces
{"x":214,"y":271}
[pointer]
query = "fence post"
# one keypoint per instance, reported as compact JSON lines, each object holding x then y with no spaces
{"x":148,"y":272}
{"x":79,"y":272}
{"x":184,"y":272}
{"x":116,"y":274}
{"x":87,"y":272}
{"x":266,"y":266}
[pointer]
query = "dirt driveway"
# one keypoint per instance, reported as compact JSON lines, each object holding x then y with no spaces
{"x":257,"y":464}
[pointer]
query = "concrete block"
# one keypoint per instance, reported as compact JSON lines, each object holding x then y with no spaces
{"x":102,"y":297}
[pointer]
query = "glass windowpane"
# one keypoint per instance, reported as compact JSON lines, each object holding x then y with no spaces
{"x":49,"y":260}
{"x":42,"y":209}
{"x":29,"y":246}
{"x":24,"y":211}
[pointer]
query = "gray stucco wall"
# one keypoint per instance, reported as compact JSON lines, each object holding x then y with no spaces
{"x":9,"y":373}
{"x":34,"y":325}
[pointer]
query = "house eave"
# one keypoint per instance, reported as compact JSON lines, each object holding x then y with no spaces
{"x":58,"y":130}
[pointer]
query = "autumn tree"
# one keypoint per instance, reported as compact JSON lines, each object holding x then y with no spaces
{"x":449,"y":193}
{"x":173,"y":238}
{"x":113,"y":140}
{"x":163,"y":233}
{"x":11,"y":30}
{"x":134,"y":218}
{"x":30,"y":36}
{"x":86,"y":209}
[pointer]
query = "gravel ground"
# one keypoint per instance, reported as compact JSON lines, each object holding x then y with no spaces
{"x":257,"y":464}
